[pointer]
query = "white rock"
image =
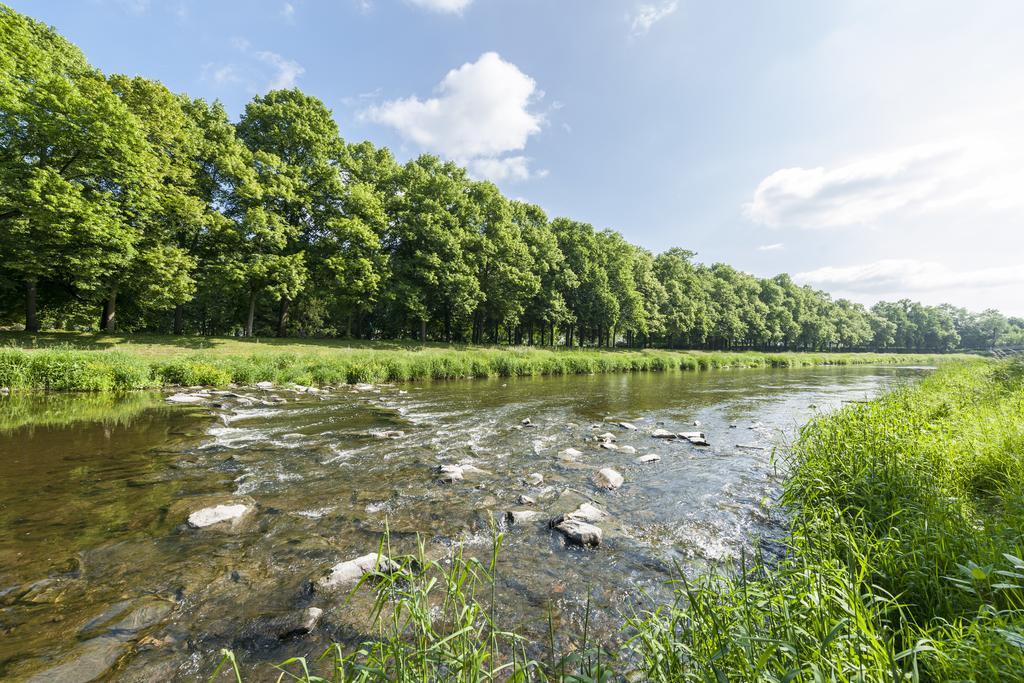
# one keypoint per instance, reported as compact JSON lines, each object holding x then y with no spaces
{"x":587,"y":513}
{"x":607,"y":436}
{"x":186,"y":398}
{"x":535,"y":479}
{"x":390,"y":434}
{"x":628,"y":425}
{"x":520,"y":516}
{"x":650,"y":457}
{"x":264,"y":385}
{"x":472,"y":469}
{"x":662,"y":434}
{"x":696,"y":423}
{"x":570,"y":454}
{"x":450,"y":473}
{"x":609,"y":446}
{"x":527,"y":422}
{"x":696,"y":438}
{"x":627,"y":449}
{"x":361,"y":386}
{"x":216,"y":514}
{"x":580,"y":533}
{"x":608,"y":478}
{"x":349,"y":572}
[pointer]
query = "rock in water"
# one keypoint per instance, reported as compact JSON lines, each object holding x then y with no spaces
{"x":186,"y":398}
{"x":579,"y":532}
{"x":450,"y":473}
{"x":662,"y":434}
{"x":650,"y":457}
{"x":524,"y":499}
{"x":519,"y":516}
{"x":585,"y":513}
{"x":535,"y":479}
{"x":349,"y":572}
{"x":217,"y":514}
{"x":609,"y":446}
{"x":696,"y":438}
{"x":627,"y":449}
{"x":570,"y":454}
{"x":527,"y":422}
{"x":607,"y":436}
{"x":299,"y":625}
{"x":264,"y":385}
{"x":608,"y":478}
{"x":628,"y":425}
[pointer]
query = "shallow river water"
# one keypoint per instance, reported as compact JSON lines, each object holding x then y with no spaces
{"x":100,"y":576}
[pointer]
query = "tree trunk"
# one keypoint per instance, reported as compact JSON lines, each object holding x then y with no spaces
{"x":423,"y":330}
{"x":31,"y":321}
{"x":348,"y":327}
{"x":252,"y":313}
{"x":108,"y":321}
{"x":282,"y":318}
{"x":179,"y":320}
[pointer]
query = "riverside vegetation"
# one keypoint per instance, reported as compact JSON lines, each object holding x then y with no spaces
{"x":126,"y":206}
{"x":903,"y":562}
{"x":142,"y":363}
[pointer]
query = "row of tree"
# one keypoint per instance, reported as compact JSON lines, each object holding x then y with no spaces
{"x":125,"y":205}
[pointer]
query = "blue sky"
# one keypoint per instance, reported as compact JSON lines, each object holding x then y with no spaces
{"x":870,"y":148}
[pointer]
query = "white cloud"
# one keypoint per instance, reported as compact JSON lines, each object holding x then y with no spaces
{"x":771,"y":247}
{"x":910,"y":275}
{"x":979,"y":172}
{"x":445,"y":6}
{"x":259,"y":70}
{"x":481,"y":113}
{"x":505,"y":168}
{"x":288,"y":12}
{"x":220,"y":74}
{"x":648,"y":15}
{"x":286,"y":71}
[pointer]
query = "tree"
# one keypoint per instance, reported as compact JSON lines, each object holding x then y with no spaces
{"x":301,"y":133}
{"x":75,"y":165}
{"x":433,"y":275}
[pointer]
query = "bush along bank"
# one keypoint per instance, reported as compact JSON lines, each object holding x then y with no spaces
{"x":903,"y":563}
{"x":120,"y":370}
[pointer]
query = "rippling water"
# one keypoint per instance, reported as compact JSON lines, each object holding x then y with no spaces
{"x":99,"y":572}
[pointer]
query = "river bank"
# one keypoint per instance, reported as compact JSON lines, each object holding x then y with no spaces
{"x":74,"y":362}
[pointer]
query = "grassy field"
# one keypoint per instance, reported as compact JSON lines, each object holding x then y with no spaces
{"x":89,"y":362}
{"x":903,"y":564}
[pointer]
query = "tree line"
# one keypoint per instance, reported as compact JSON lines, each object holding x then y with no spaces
{"x":126,"y":206}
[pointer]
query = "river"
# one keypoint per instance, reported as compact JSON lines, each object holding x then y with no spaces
{"x":101,"y":575}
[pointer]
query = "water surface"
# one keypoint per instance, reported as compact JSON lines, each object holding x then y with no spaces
{"x":100,"y":574}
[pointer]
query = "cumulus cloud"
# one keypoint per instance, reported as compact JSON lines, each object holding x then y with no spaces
{"x":648,"y":15}
{"x":480,"y":113}
{"x":258,"y":70}
{"x":445,"y":6}
{"x":286,"y":71}
{"x":909,"y":275}
{"x":771,"y":247}
{"x":979,"y":173}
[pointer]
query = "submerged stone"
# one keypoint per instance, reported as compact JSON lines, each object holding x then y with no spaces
{"x":535,"y":479}
{"x":662,"y":434}
{"x":570,"y":454}
{"x":216,"y":514}
{"x":520,"y":516}
{"x":450,"y":473}
{"x":649,"y":458}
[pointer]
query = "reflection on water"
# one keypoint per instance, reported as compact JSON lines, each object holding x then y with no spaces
{"x":93,"y":503}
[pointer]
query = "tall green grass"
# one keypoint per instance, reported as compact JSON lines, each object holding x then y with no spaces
{"x":67,"y":369}
{"x":902,"y":563}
